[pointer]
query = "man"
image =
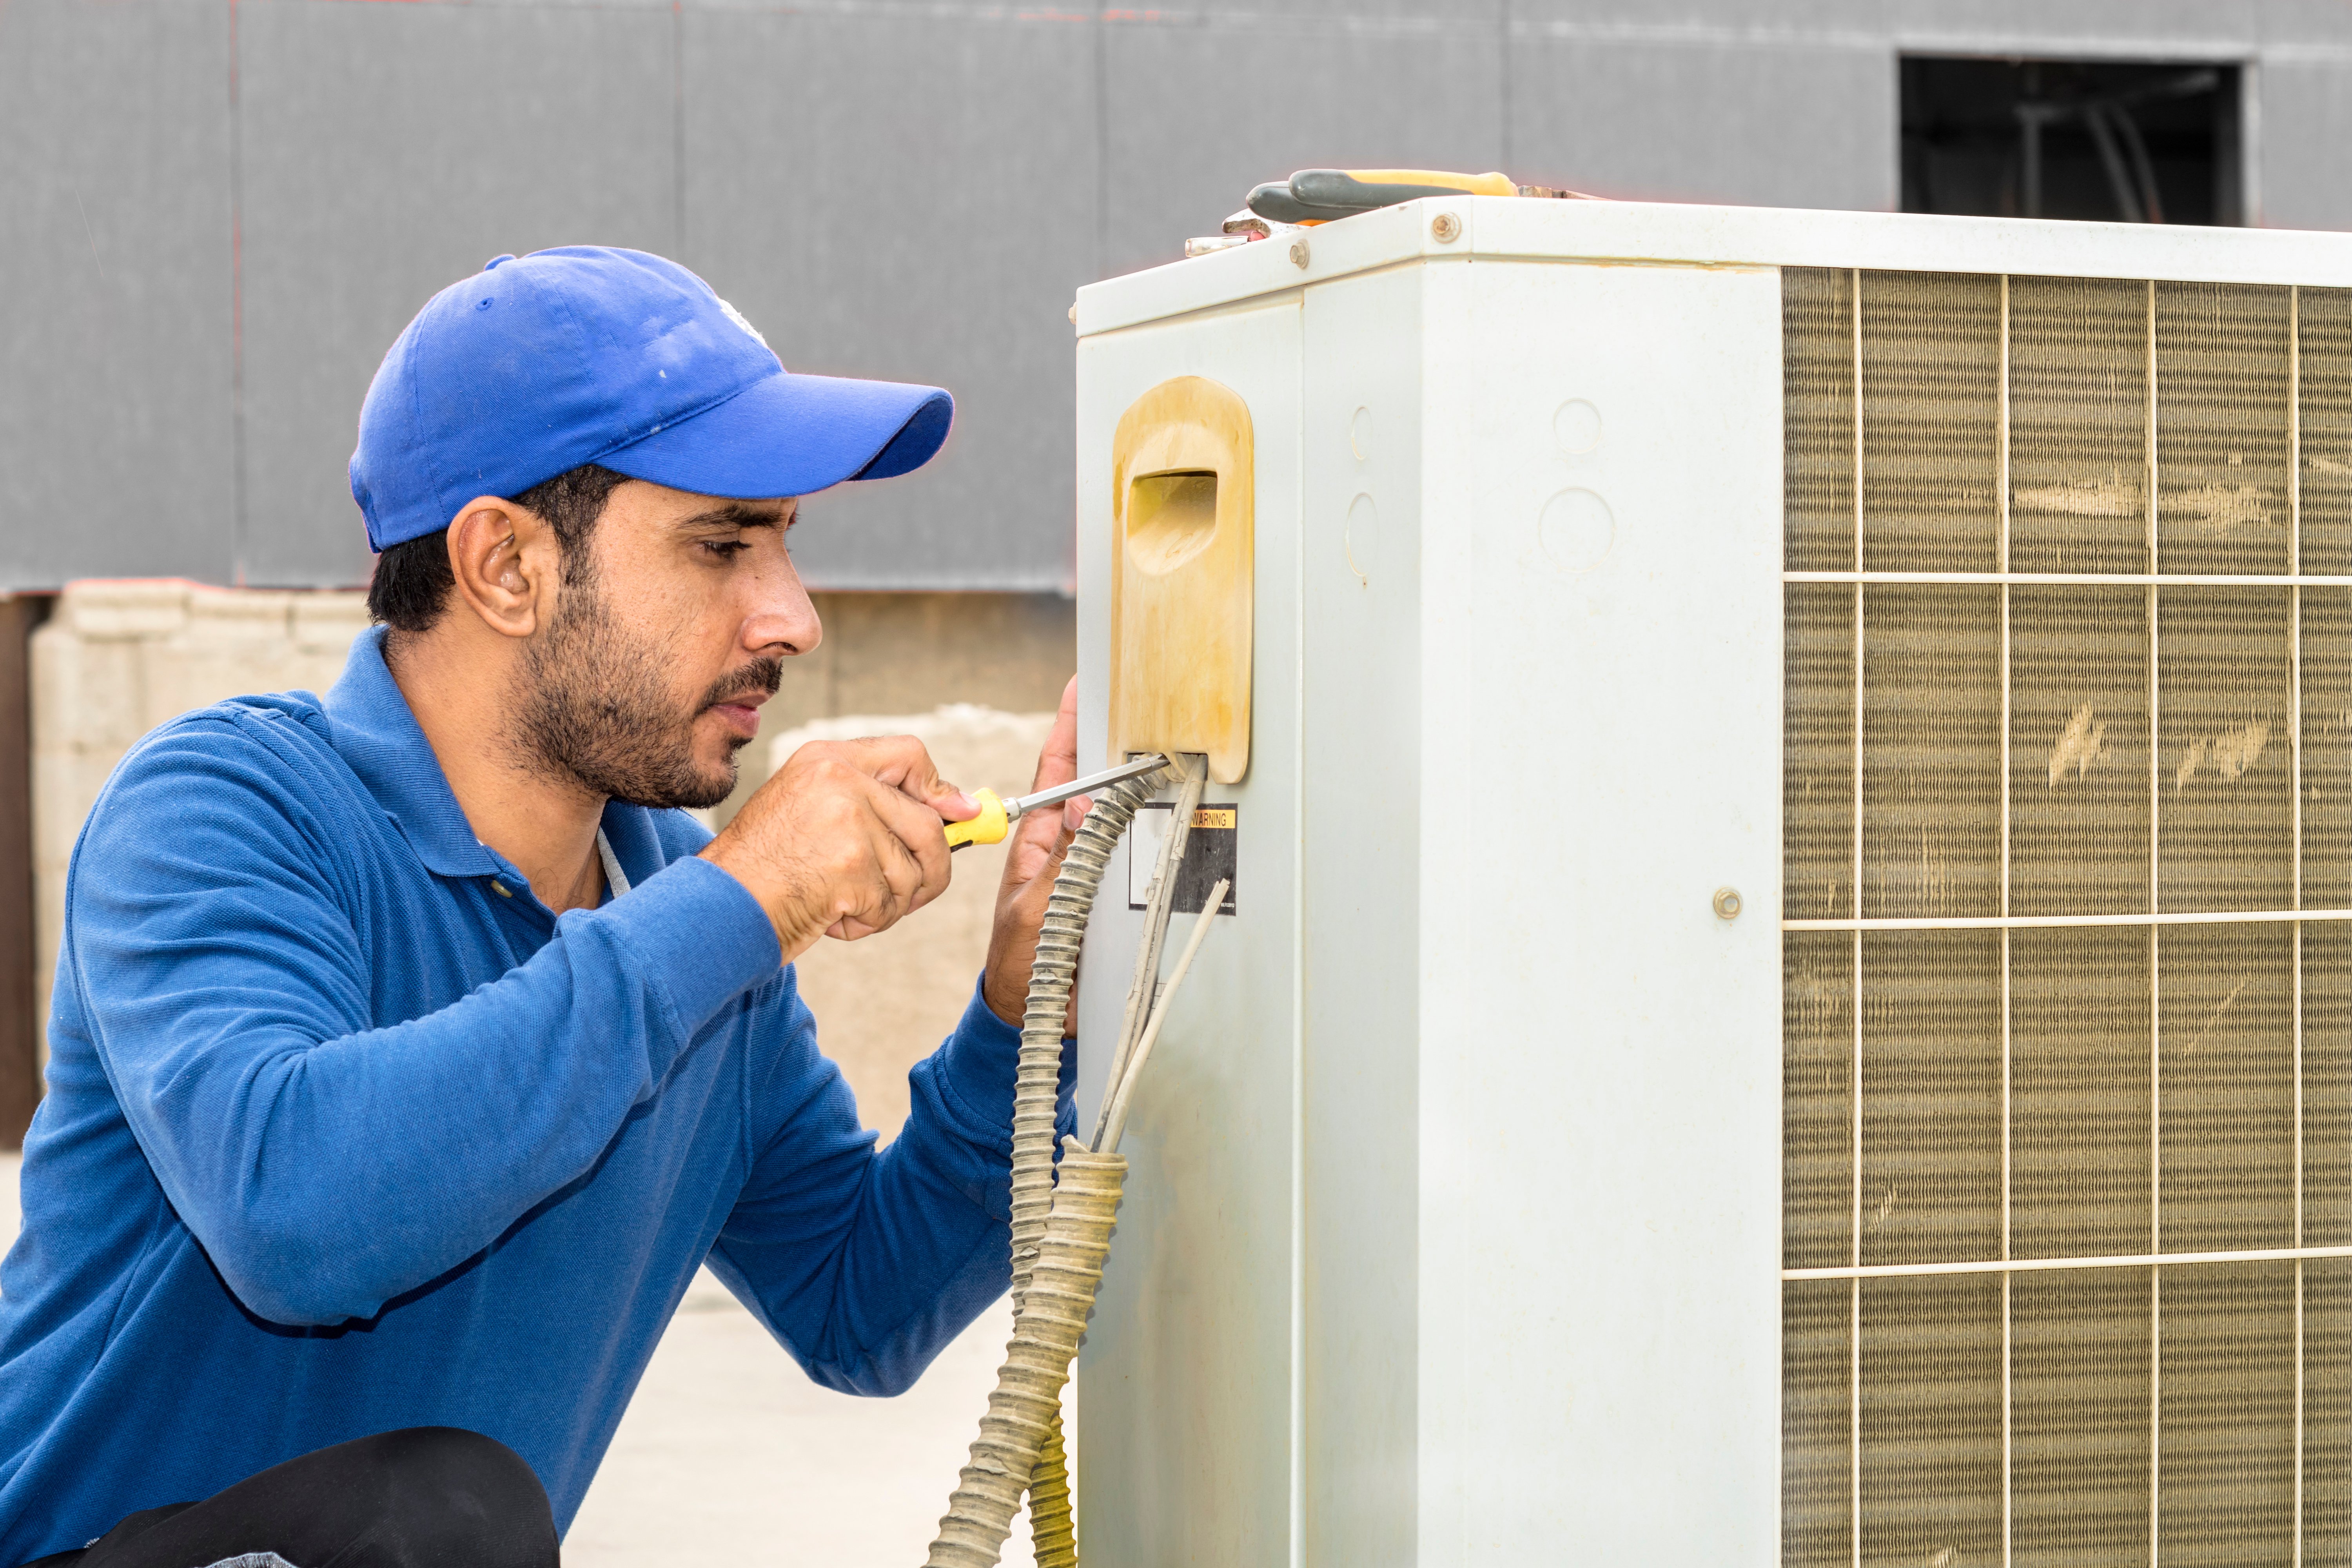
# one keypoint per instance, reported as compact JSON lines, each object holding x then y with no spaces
{"x":410,"y":1052}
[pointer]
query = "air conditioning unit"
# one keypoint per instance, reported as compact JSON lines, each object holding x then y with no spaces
{"x":1788,"y":991}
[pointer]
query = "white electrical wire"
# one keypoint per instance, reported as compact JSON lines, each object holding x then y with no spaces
{"x":1143,"y":990}
{"x":1061,"y":1229}
{"x":1115,"y":1109}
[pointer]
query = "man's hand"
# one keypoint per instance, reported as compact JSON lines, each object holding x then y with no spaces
{"x":1032,"y":858}
{"x":845,"y":840}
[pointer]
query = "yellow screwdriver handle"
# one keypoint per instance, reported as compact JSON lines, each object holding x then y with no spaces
{"x":1468,"y":184}
{"x":988,"y":828}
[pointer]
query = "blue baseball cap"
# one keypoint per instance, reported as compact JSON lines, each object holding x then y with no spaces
{"x":540,"y":363}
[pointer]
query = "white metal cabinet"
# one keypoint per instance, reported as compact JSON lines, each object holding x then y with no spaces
{"x":1488,"y":1159}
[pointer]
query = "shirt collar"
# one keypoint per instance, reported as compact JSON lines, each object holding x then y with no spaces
{"x":376,"y":734}
{"x":378,"y":738}
{"x":636,"y":840}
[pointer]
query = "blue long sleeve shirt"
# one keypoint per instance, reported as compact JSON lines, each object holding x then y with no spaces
{"x":346,"y":1132}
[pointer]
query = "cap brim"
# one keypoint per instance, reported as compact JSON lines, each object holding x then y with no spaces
{"x":792,"y":435}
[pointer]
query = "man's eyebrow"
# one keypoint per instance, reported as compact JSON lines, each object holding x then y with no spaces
{"x":738,"y":514}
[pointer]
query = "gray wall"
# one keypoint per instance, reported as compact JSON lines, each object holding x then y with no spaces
{"x":218,"y":216}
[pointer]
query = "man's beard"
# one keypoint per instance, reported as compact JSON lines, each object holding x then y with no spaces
{"x":598,"y":709}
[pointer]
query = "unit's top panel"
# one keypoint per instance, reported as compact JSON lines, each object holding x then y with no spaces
{"x":1638,"y":232}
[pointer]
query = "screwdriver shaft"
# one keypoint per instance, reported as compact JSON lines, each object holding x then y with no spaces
{"x":1017,"y":808}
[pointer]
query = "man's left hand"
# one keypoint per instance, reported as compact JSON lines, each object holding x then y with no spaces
{"x":1032,"y":858}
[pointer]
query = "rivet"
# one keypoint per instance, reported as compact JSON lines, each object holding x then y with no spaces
{"x":1299,"y":253}
{"x":1446,"y":227}
{"x":1727,"y":903}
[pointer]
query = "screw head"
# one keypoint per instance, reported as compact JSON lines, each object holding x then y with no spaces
{"x":1445,"y":228}
{"x":1727,"y":903}
{"x":1299,"y":253}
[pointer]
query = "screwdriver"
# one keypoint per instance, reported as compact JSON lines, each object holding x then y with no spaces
{"x":1325,"y":195}
{"x":997,"y":816}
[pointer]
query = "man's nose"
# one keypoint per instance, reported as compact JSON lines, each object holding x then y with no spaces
{"x":785,"y":620}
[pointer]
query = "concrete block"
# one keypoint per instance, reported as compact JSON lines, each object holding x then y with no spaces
{"x":125,"y":607}
{"x":238,"y":642}
{"x":66,"y":786}
{"x":884,"y":1003}
{"x":235,"y":642}
{"x":87,"y":692}
{"x":326,"y":623}
{"x":905,"y":653}
{"x":301,"y":670}
{"x":119,"y":657}
{"x":51,"y":648}
{"x":238,"y":614}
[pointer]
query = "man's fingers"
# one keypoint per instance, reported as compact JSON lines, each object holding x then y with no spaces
{"x":1035,"y":854}
{"x":845,"y":840}
{"x":1058,"y":762}
{"x":905,"y":764}
{"x":911,"y":848}
{"x":884,"y":890}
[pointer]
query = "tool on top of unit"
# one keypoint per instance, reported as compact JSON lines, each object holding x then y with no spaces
{"x":998,"y":815}
{"x":1313,"y":196}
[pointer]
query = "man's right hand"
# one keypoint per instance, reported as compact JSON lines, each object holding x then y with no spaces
{"x":844,"y":840}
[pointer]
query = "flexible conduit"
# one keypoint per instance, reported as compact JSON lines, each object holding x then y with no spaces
{"x":1049,"y":1485}
{"x":1053,"y":1529}
{"x":1060,"y":1236}
{"x":1061,"y":1232}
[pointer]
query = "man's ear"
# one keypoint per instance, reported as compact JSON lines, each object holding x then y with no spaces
{"x":505,"y":561}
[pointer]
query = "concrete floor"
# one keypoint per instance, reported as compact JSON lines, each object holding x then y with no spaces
{"x":729,"y":1454}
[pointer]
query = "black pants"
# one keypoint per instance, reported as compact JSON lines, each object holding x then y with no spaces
{"x":430,"y":1497}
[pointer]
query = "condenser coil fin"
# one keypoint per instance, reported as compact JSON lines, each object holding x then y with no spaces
{"x":2068,"y":990}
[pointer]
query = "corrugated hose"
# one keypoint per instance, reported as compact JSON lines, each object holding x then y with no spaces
{"x":1061,"y":1232}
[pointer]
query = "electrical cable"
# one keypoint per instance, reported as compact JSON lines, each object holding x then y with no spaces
{"x":1027,"y":1403}
{"x":1051,"y":1526}
{"x":1114,"y":1118}
{"x":1142,"y":991}
{"x":1061,"y":1231}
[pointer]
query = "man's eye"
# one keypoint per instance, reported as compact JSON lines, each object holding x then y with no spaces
{"x":726,"y":549}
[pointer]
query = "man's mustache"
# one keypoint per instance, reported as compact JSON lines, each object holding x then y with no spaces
{"x":761,"y":675}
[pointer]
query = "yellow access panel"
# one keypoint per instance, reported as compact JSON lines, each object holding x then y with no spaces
{"x":1183,"y":473}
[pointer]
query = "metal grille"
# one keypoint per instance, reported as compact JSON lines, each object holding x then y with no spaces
{"x":2067,"y":931}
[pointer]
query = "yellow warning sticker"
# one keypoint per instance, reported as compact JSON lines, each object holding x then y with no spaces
{"x":1214,"y":817}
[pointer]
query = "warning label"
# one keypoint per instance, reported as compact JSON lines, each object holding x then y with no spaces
{"x":1210,"y":854}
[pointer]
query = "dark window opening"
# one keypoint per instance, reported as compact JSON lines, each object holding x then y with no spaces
{"x":2072,"y":139}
